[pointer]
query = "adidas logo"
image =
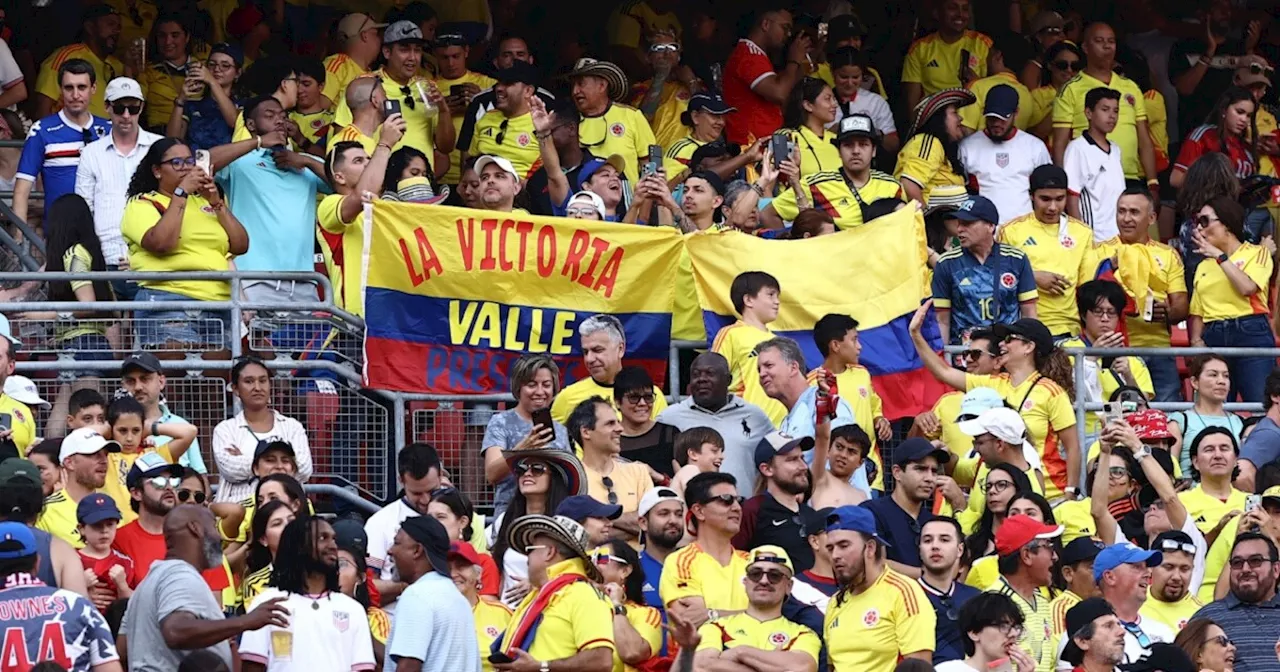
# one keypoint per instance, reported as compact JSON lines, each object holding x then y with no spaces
{"x":1029,"y":241}
{"x":965,"y":282}
{"x":933,"y":64}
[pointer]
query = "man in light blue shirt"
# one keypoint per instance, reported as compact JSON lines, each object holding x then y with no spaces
{"x":434,"y":630}
{"x":272,"y":191}
{"x":782,"y":375}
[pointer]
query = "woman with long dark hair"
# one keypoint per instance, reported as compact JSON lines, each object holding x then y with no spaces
{"x":236,"y":439}
{"x":269,"y":522}
{"x":1002,"y":484}
{"x":1063,"y":60}
{"x":453,"y":509}
{"x":812,"y":107}
{"x":848,"y":67}
{"x":985,"y":570}
{"x":931,"y":156}
{"x":176,"y":220}
{"x":1231,"y":129}
{"x":409,"y":177}
{"x":1037,"y":382}
{"x":640,"y":626}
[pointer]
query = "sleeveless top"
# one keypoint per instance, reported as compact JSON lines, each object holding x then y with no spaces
{"x":44,"y":571}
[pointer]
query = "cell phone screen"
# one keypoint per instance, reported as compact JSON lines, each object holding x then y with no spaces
{"x":500,"y":658}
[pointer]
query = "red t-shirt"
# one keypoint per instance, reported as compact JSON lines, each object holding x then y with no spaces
{"x":1205,"y":140}
{"x":102,"y":567}
{"x":756,"y":117}
{"x":141,"y":546}
{"x":490,"y":579}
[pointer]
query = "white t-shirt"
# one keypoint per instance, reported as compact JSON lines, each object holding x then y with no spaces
{"x":515,"y":565}
{"x":871,"y":104}
{"x":1003,"y":169}
{"x":955,"y":665}
{"x":1097,"y":177}
{"x":330,"y":632}
{"x":10,"y":73}
{"x":381,"y":531}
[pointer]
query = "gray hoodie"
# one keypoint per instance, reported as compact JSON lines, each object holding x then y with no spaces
{"x":741,"y":424}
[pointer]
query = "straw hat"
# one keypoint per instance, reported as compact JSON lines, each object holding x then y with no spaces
{"x":946,"y":197}
{"x":562,"y":529}
{"x":938,"y":102}
{"x":564,"y":464}
{"x":610,"y":73}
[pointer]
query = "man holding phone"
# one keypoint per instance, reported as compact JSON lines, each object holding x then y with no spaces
{"x":461,"y":84}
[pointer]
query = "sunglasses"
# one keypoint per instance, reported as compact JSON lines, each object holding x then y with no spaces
{"x":442,"y":491}
{"x":1065,"y":65}
{"x":1036,"y":547}
{"x":1258,"y":69}
{"x":974,"y":354}
{"x":774,"y":576}
{"x":600,"y":557}
{"x":165,"y":482}
{"x":1015,"y":337}
{"x":1051,"y":30}
{"x":1143,"y":640}
{"x":121,"y":108}
{"x":608,"y":485}
{"x":502,"y":132}
{"x":409,"y":101}
{"x":179,"y":162}
{"x":1221,"y":640}
{"x":524,"y":466}
{"x":197,"y":496}
{"x":1254,"y":562}
{"x":638,"y":397}
{"x":658,"y":48}
{"x":727,"y":500}
{"x":1171,"y":545}
{"x":1203,"y":221}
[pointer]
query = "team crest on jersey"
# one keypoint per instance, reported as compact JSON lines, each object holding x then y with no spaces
{"x":617,"y":129}
{"x":871,"y":617}
{"x":778,"y":638}
{"x":208,"y":209}
{"x":18,"y":415}
{"x":341,"y":621}
{"x":1239,"y":264}
{"x":684,"y":94}
{"x":1002,"y":159}
{"x":1028,"y":405}
{"x":1068,"y":242}
{"x":491,"y":631}
{"x":523,"y":140}
{"x":1008,"y":280}
{"x":1130,"y":99}
{"x":317,"y":123}
{"x":862,"y":391}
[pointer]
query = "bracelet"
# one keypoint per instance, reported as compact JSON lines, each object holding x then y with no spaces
{"x":383,"y":144}
{"x":218,"y":207}
{"x":758,"y":189}
{"x":259,"y":142}
{"x":1151,"y":182}
{"x":154,"y":425}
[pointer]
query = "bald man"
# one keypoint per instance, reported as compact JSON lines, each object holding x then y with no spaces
{"x":740,"y":423}
{"x":365,"y":99}
{"x":173,"y":613}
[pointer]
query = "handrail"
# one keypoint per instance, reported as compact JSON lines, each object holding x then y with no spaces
{"x":19,"y":251}
{"x":190,"y":364}
{"x":344,"y":494}
{"x":12,"y":217}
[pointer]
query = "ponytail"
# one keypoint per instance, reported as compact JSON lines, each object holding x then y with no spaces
{"x":1056,"y":366}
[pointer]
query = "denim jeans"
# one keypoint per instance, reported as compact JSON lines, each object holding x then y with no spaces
{"x":193,"y":327}
{"x":1248,"y":374}
{"x":1164,"y":378}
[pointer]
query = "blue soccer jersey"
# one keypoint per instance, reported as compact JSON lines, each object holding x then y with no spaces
{"x":979,"y":294}
{"x":53,"y":149}
{"x":40,"y":623}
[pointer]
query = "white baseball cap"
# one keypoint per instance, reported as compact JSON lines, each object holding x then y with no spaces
{"x":20,"y":388}
{"x":85,"y":441}
{"x":123,"y":87}
{"x":591,"y":198}
{"x":6,"y":330}
{"x":1005,"y":424}
{"x":501,"y":162}
{"x":656,"y":496}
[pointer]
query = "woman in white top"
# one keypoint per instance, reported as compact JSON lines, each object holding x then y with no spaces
{"x":236,"y":440}
{"x":992,"y":624}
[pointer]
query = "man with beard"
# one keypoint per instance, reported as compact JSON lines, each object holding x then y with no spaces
{"x":776,"y":515}
{"x":172,"y":613}
{"x":1250,"y":613}
{"x":1001,"y":156}
{"x":662,"y":520}
{"x":1096,"y":637}
{"x":1172,"y":601}
{"x":100,"y":27}
{"x":1009,"y":53}
{"x":142,"y":376}
{"x":710,"y":404}
{"x":984,"y":282}
{"x":152,"y":484}
{"x":703,"y":580}
{"x":1123,"y":574}
{"x":878,"y":616}
{"x":901,"y":516}
{"x":327,"y":629}
{"x":83,"y":457}
{"x":703,"y":196}
{"x":941,"y":545}
{"x":760,"y":637}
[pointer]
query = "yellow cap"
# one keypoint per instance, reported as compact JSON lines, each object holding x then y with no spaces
{"x":1272,"y":492}
{"x":774,"y":554}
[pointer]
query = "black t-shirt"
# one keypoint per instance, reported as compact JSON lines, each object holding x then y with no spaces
{"x":536,"y":187}
{"x":1194,"y":109}
{"x":766,"y":521}
{"x":656,"y":448}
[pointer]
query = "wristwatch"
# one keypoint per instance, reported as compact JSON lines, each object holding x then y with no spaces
{"x":619,"y":610}
{"x":544,"y":666}
{"x":179,"y":192}
{"x":1141,"y":453}
{"x":1223,"y":258}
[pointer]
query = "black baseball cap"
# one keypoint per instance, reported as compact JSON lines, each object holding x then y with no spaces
{"x":856,"y":126}
{"x":1080,"y":549}
{"x":350,"y":536}
{"x":815,"y":522}
{"x":1028,"y":328}
{"x":1079,"y":616}
{"x":1164,"y":657}
{"x":1048,"y":176}
{"x":519,"y":71}
{"x":582,"y":507}
{"x":711,"y":178}
{"x":918,"y":448}
{"x":843,"y":27}
{"x":434,"y":539}
{"x":141,"y":360}
{"x":96,"y":11}
{"x":276,"y":444}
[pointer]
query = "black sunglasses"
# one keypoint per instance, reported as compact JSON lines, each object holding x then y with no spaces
{"x":409,"y":100}
{"x":608,"y":485}
{"x":1073,"y":66}
{"x":197,"y":496}
{"x":502,"y":132}
{"x":523,"y":466}
{"x":121,"y":108}
{"x":727,"y":500}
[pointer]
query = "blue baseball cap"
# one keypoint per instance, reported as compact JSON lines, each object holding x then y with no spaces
{"x":1123,"y":553}
{"x":977,"y":209}
{"x":854,"y":519}
{"x":96,"y":508}
{"x":581,"y":507}
{"x":16,"y":541}
{"x":1002,"y":102}
{"x":148,"y":465}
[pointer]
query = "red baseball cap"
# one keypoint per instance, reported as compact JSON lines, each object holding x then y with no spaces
{"x":243,"y":20}
{"x":464,"y":550}
{"x":1018,"y":531}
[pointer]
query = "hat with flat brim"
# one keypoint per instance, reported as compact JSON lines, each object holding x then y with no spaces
{"x":564,"y":530}
{"x":610,"y":73}
{"x":565,"y":464}
{"x":937,"y":103}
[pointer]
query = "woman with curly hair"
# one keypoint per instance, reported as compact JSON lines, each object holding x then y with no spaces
{"x":931,"y":157}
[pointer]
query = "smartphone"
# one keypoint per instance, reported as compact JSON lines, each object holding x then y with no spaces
{"x":6,"y":421}
{"x":780,"y":145}
{"x":1111,"y":410}
{"x":964,"y":66}
{"x":203,"y":162}
{"x":500,"y":657}
{"x":822,"y":30}
{"x":542,"y":419}
{"x":458,"y":90}
{"x":1252,"y":502}
{"x":390,"y":107}
{"x":655,"y":160}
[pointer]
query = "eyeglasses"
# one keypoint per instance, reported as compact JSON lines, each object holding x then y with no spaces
{"x":1066,"y":65}
{"x":608,"y":485}
{"x":604,"y":557}
{"x":587,"y":212}
{"x":1037,"y":546}
{"x":1203,"y":221}
{"x":1254,"y":561}
{"x":502,"y":132}
{"x":219,"y":65}
{"x":410,"y":101}
{"x":1172,"y":545}
{"x":997,"y":487}
{"x":1052,"y":30}
{"x":1259,"y":69}
{"x":196,"y":495}
{"x":165,"y":482}
{"x":1011,"y":629}
{"x":1221,"y":640}
{"x":727,"y":500}
{"x":528,"y":550}
{"x":523,"y":466}
{"x":775,"y":576}
{"x":1117,"y":473}
{"x":666,"y":46}
{"x":1104,"y":313}
{"x":178,"y":162}
{"x":1015,"y":337}
{"x":638,"y":397}
{"x":121,"y":108}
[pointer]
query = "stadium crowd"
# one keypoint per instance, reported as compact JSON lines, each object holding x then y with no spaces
{"x":1090,"y":174}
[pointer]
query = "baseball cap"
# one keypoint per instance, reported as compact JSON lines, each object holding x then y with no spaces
{"x":141,"y":360}
{"x":591,"y":165}
{"x":16,"y":541}
{"x":1045,"y":19}
{"x":85,"y":441}
{"x":1002,"y":102}
{"x":581,"y":507}
{"x":1122,"y":553}
{"x":710,"y":178}
{"x":770,"y":553}
{"x":776,"y":443}
{"x":1048,"y":176}
{"x":1028,"y":328}
{"x":275,"y":444}
{"x":121,"y":88}
{"x":591,"y":198}
{"x":1018,"y":531}
{"x":519,"y":71}
{"x":1082,"y":614}
{"x":350,"y":536}
{"x":709,"y":102}
{"x":854,"y":519}
{"x":487,"y":159}
{"x":979,"y":400}
{"x":96,"y":508}
{"x":856,"y":126}
{"x":402,"y":31}
{"x":977,"y":209}
{"x":1271,"y":495}
{"x":15,"y":468}
{"x":916,"y":449}
{"x":148,"y":465}
{"x":353,"y":24}
{"x":1163,"y":657}
{"x":1247,"y":76}
{"x":654,"y":497}
{"x":451,"y":39}
{"x":21,"y":388}
{"x":1003,"y":423}
{"x":843,"y":27}
{"x":465,"y":551}
{"x":231,"y":50}
{"x":1079,"y":550}
{"x":815,"y":522}
{"x":6,"y":330}
{"x":96,"y":11}
{"x":434,"y":539}
{"x":1175,"y":541}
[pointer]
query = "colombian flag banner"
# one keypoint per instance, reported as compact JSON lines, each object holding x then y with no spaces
{"x":876,"y":273}
{"x":456,"y":294}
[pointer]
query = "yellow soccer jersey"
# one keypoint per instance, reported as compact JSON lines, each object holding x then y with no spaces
{"x":1142,"y":266}
{"x":923,"y":161}
{"x":1068,"y":112}
{"x":1206,"y":510}
{"x":1216,"y":299}
{"x":647,"y":622}
{"x":455,"y":157}
{"x":871,"y":631}
{"x":1046,"y":410}
{"x":1158,"y":127}
{"x":634,"y":20}
{"x":832,"y":193}
{"x":691,"y":572}
{"x":947,"y":408}
{"x":350,"y":133}
{"x":22,"y":422}
{"x":620,"y":130}
{"x":935,"y":64}
{"x":777,"y":634}
{"x":511,"y":139}
{"x":1065,"y":250}
{"x":339,"y":71}
{"x":58,"y":517}
{"x":1173,"y":614}
{"x":584,"y":389}
{"x":161,"y":84}
{"x":1112,"y":382}
{"x":666,"y":123}
{"x":676,"y":159}
{"x":817,"y":154}
{"x":1058,"y":610}
{"x":1037,"y":625}
{"x":136,"y":19}
{"x":1042,"y":98}
{"x":492,"y":619}
{"x":577,"y":617}
{"x":107,"y":69}
{"x":737,"y":342}
{"x":314,"y":126}
{"x":971,"y":115}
